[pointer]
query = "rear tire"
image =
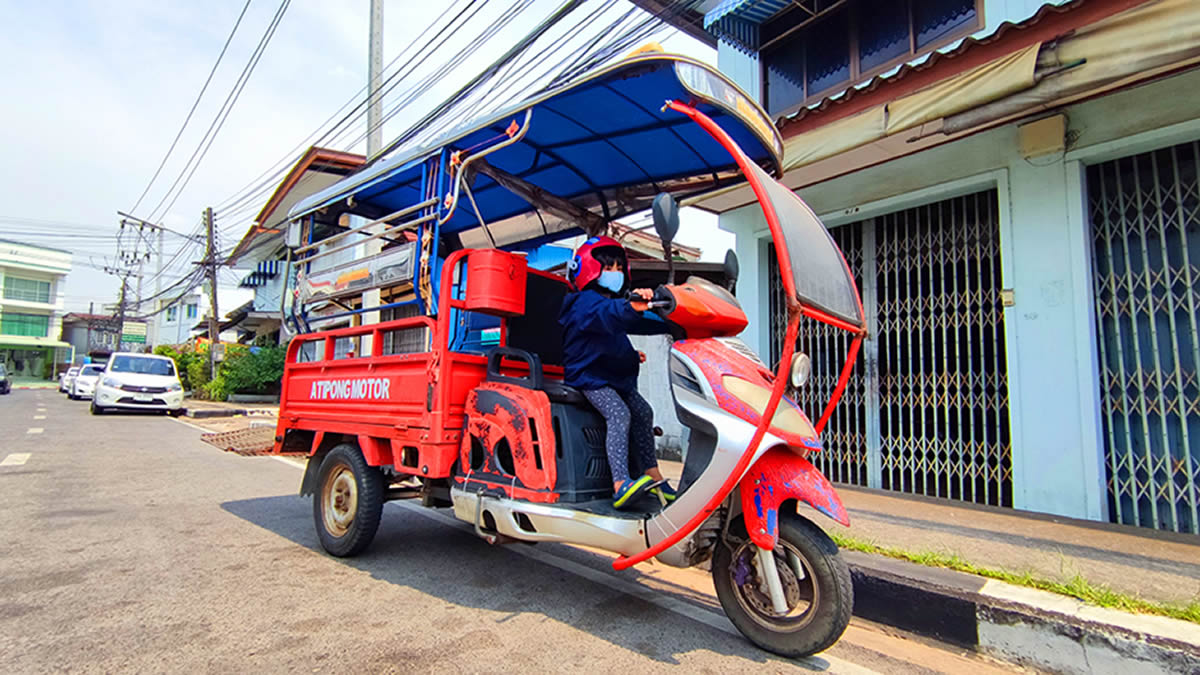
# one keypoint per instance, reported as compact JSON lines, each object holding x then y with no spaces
{"x":348,"y":501}
{"x":824,"y":598}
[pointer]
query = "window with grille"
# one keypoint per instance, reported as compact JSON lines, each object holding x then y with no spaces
{"x":193,"y":311}
{"x":26,"y":325}
{"x":172,"y":313}
{"x":806,"y":57}
{"x":27,"y":290}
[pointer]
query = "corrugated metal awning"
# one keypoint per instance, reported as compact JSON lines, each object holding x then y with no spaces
{"x":263,"y":272}
{"x":738,"y":21}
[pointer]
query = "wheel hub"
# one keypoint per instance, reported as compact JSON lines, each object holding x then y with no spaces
{"x":340,"y":495}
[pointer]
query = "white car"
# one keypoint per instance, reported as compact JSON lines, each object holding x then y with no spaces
{"x":84,"y":384}
{"x":138,"y":382}
{"x":66,"y":379}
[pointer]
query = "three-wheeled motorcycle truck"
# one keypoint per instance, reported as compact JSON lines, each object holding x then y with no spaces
{"x":460,"y":404}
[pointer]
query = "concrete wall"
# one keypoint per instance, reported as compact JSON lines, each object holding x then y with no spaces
{"x":1045,"y":255}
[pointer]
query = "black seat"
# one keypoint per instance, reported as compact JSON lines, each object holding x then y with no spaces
{"x":558,"y":392}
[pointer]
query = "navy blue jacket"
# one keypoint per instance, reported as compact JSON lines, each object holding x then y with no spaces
{"x":596,"y":348}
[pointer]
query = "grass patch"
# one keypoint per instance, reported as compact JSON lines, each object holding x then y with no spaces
{"x":1075,"y":587}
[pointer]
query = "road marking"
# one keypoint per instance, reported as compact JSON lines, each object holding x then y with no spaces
{"x":667,"y":602}
{"x":189,"y":424}
{"x":35,"y":430}
{"x":15,"y":459}
{"x":39,"y":417}
{"x":40,"y":410}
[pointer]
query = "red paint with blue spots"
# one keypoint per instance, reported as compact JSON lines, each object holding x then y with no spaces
{"x":778,"y":476}
{"x":717,"y":360}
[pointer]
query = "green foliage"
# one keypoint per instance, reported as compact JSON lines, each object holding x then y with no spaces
{"x":1076,"y":586}
{"x":253,"y":372}
{"x":217,"y":390}
{"x":244,"y":370}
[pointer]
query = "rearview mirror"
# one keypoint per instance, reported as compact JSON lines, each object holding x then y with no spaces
{"x":666,"y":218}
{"x":731,"y":269}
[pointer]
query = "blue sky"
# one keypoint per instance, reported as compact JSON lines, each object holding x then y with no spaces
{"x":96,"y":91}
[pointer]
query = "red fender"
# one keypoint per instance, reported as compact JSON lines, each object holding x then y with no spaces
{"x":777,"y":476}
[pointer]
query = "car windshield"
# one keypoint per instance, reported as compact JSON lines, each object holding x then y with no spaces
{"x":91,"y":370}
{"x":142,"y":365}
{"x":3,"y":372}
{"x":73,"y":371}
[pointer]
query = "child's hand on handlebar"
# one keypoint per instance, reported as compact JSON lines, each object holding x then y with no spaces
{"x":640,"y":305}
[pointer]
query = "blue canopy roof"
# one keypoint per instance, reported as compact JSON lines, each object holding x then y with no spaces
{"x":602,"y":142}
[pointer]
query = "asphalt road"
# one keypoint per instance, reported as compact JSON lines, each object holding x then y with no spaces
{"x":127,"y":544}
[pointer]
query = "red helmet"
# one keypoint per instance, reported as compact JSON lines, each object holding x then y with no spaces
{"x":583,"y":268}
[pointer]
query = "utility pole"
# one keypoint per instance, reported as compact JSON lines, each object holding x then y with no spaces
{"x":121,"y":311}
{"x":374,"y":74}
{"x":371,"y":298}
{"x":211,"y":260}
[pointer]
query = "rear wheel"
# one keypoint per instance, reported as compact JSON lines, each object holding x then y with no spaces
{"x":348,"y":502}
{"x":814,"y":580}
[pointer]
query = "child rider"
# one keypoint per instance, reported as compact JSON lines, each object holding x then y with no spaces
{"x":600,"y":361}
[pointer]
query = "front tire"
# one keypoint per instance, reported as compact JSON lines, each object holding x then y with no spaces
{"x":348,"y":502}
{"x":97,"y":410}
{"x":819,"y":600}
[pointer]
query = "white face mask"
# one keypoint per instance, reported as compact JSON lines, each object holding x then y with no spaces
{"x":611,"y":280}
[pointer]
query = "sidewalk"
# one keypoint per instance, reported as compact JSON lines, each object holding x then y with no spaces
{"x":1157,"y":566}
{"x":1017,"y":623}
{"x":199,"y":408}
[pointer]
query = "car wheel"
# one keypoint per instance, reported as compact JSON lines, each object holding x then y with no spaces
{"x":97,"y":410}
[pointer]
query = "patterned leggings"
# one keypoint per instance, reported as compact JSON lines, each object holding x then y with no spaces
{"x":630,"y":422}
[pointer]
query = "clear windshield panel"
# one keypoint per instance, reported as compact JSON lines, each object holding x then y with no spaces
{"x":818,"y":268}
{"x":142,"y":365}
{"x":710,"y":287}
{"x":91,"y":370}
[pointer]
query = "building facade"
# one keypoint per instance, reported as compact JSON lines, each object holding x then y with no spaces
{"x":92,"y":336}
{"x":31,"y":301}
{"x":1022,"y":211}
{"x":175,"y":319}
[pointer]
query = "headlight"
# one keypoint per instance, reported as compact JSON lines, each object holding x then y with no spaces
{"x":174,"y":386}
{"x":110,"y":382}
{"x":801,"y":369}
{"x":787,"y":418}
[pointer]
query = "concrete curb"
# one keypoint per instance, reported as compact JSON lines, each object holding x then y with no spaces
{"x":1020,"y":625}
{"x":202,"y":413}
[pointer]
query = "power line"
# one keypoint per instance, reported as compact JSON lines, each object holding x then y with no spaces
{"x":194,"y":105}
{"x":242,"y":196}
{"x":215,"y":127}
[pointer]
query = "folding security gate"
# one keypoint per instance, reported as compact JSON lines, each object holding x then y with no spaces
{"x":1145,"y":216}
{"x":926,"y":411}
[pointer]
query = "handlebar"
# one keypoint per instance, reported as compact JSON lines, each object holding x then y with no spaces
{"x":661,"y":300}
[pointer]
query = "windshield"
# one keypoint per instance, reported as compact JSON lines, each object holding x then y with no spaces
{"x":73,"y":371}
{"x":143,"y":365}
{"x":822,"y":279}
{"x":3,"y":371}
{"x":91,"y":370}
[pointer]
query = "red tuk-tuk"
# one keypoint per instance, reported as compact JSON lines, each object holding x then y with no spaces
{"x":456,"y":398}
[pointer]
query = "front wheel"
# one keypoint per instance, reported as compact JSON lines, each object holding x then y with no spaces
{"x":97,"y":410}
{"x":348,"y":502}
{"x":814,"y":580}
